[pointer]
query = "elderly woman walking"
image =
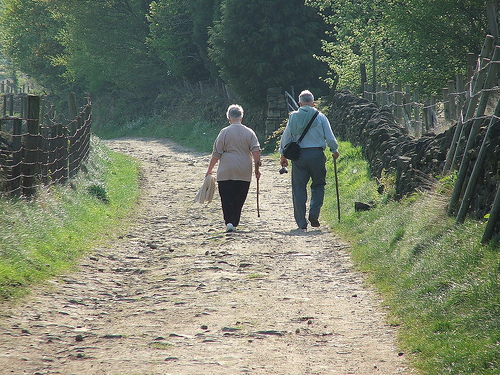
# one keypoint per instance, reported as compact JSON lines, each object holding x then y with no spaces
{"x":234,"y":149}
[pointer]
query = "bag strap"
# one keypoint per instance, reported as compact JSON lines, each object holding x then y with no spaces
{"x":307,"y":127}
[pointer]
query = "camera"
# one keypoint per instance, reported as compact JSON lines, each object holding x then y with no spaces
{"x":283,"y":170}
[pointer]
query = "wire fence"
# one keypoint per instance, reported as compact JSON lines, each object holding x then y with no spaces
{"x":34,"y":152}
{"x":471,"y":109}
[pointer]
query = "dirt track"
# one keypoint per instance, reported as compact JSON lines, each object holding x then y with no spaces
{"x":178,"y":295}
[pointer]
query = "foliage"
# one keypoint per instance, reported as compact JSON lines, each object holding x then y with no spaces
{"x":42,"y":237}
{"x":104,"y":44}
{"x":263,"y":44}
{"x":29,"y":39}
{"x":423,"y":42}
{"x":440,"y":284}
{"x":171,"y":30}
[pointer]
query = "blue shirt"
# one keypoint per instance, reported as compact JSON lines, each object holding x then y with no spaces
{"x":319,"y":134}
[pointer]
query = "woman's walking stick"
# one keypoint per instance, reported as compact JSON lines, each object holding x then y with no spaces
{"x":336,"y":185}
{"x":258,"y":209}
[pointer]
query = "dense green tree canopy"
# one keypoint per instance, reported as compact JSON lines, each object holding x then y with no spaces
{"x":30,"y":38}
{"x":171,"y":36}
{"x":421,"y":42}
{"x":262,"y":44}
{"x":104,"y":43}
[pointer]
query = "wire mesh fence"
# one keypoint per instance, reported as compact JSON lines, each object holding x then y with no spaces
{"x":34,"y":152}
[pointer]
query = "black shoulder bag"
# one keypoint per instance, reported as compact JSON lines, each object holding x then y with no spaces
{"x":291,"y":151}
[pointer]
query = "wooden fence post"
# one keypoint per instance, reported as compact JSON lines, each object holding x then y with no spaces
{"x":366,"y":92}
{"x":407,"y":97}
{"x":426,"y":113}
{"x":362,"y":68}
{"x":471,"y":63}
{"x":451,"y":100}
{"x":390,"y":95}
{"x":30,"y":165}
{"x":374,"y":73}
{"x":460,"y":98}
{"x":492,"y":14}
{"x":398,"y":98}
{"x":492,"y":220}
{"x":416,"y":114}
{"x":17,"y":156}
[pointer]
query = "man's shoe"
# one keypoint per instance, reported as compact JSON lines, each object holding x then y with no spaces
{"x":314,"y":222}
{"x":230,"y":228}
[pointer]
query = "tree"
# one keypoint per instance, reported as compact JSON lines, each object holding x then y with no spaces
{"x":439,"y":34}
{"x":205,"y":13}
{"x":421,"y":42}
{"x":105,"y":44}
{"x":261,"y":44}
{"x":171,"y":36}
{"x":29,"y":39}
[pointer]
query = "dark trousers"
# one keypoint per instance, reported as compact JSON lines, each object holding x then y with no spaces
{"x":233,"y":195}
{"x":310,"y":166}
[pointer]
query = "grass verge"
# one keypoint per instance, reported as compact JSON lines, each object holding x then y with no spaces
{"x":441,"y":286}
{"x":43,"y":236}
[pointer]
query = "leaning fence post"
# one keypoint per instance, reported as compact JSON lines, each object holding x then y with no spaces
{"x":30,"y":164}
{"x":492,"y":220}
{"x":491,"y":77}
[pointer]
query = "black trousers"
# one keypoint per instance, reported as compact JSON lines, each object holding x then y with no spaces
{"x":233,"y":195}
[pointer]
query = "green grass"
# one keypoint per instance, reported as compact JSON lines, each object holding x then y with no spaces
{"x":441,"y":286}
{"x":44,"y":236}
{"x":197,"y":134}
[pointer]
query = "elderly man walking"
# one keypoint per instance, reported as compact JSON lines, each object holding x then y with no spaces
{"x":312,"y":162}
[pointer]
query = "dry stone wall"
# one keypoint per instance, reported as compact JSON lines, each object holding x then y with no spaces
{"x":417,"y":162}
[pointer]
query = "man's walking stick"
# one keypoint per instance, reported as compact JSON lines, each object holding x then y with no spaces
{"x":336,"y":185}
{"x":258,"y":209}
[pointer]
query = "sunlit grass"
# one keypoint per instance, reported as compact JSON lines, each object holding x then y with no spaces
{"x":441,"y":285}
{"x":42,"y":236}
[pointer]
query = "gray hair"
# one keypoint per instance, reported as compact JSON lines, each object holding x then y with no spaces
{"x":234,"y":111}
{"x":306,"y":96}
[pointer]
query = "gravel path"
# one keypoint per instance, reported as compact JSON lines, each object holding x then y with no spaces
{"x":177,"y":295}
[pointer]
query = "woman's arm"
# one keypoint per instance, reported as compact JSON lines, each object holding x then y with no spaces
{"x":257,"y":162}
{"x":211,"y":165}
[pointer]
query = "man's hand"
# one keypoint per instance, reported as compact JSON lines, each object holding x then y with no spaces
{"x":284,"y":161}
{"x":335,"y":154}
